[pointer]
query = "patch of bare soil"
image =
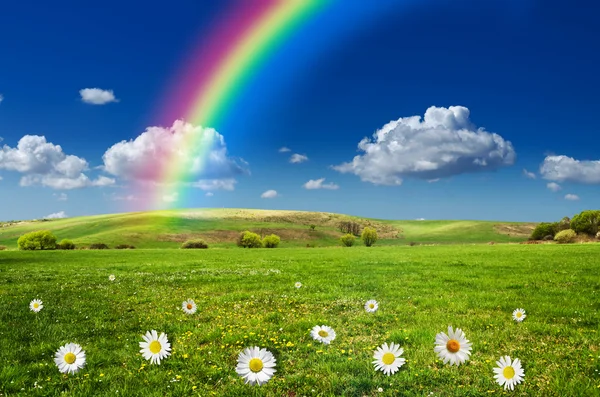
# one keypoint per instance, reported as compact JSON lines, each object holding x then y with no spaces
{"x":521,"y":230}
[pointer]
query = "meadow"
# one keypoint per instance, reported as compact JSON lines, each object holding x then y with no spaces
{"x":247,"y":298}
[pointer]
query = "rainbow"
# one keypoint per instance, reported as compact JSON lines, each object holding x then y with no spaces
{"x":239,"y":43}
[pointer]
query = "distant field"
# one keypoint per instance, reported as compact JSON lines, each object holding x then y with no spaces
{"x":220,"y":228}
{"x":247,"y":297}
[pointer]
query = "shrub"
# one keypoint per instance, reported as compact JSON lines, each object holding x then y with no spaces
{"x":124,"y":246}
{"x":197,"y":243}
{"x":369,"y":236}
{"x":542,"y":230}
{"x":2,"y":247}
{"x":271,"y":241}
{"x":312,"y":227}
{"x":348,"y":240}
{"x":586,"y":222}
{"x":42,"y":240}
{"x":548,"y":238}
{"x":566,"y":236}
{"x":248,"y":239}
{"x":65,"y":245}
{"x":98,"y":246}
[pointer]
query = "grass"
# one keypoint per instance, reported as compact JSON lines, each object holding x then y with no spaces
{"x":220,"y":228}
{"x":249,"y":299}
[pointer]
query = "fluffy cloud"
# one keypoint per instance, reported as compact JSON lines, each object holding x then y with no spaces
{"x":284,"y":150}
{"x":571,"y":197}
{"x":298,"y":158}
{"x":97,"y":96}
{"x":209,"y":194}
{"x":117,"y":197}
{"x":61,"y":196}
{"x":528,"y":174}
{"x":563,"y":168}
{"x":269,"y":194}
{"x":555,"y":187}
{"x":318,"y":184}
{"x":44,"y":163}
{"x":153,"y":151}
{"x":170,"y":198}
{"x":420,"y":219}
{"x":56,"y":215}
{"x":442,"y":144}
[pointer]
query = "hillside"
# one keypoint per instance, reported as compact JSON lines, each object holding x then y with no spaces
{"x":220,"y":228}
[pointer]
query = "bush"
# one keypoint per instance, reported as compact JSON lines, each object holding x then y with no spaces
{"x":544,"y":229}
{"x":566,"y":236}
{"x":197,"y":243}
{"x":369,"y":236}
{"x":586,"y":222}
{"x":42,"y":240}
{"x":65,"y":245}
{"x":348,"y":240}
{"x":124,"y":247}
{"x":271,"y":241}
{"x":548,"y":238}
{"x":98,"y":246}
{"x":248,"y":239}
{"x":2,"y":247}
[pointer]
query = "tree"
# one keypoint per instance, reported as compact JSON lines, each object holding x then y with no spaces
{"x":586,"y":222}
{"x":369,"y":236}
{"x":248,"y":239}
{"x":40,"y":240}
{"x":348,"y":240}
{"x":271,"y":241}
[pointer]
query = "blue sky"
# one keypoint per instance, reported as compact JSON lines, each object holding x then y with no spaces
{"x":523,"y":70}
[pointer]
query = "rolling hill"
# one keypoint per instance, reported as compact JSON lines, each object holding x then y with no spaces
{"x":221,"y":227}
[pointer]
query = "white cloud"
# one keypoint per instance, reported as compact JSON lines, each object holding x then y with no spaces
{"x":563,"y":168}
{"x":284,"y":150}
{"x":433,"y":180}
{"x":571,"y":197}
{"x":528,"y":174}
{"x":116,"y":197}
{"x":153,"y":151}
{"x":555,"y":187}
{"x":443,"y":144}
{"x":318,"y":184}
{"x":97,"y":96}
{"x":56,"y":215}
{"x":61,"y":196}
{"x":209,"y":194}
{"x":1,"y":98}
{"x":420,"y":219}
{"x":170,"y":198}
{"x":1,"y":178}
{"x":269,"y":194}
{"x":298,"y":158}
{"x":44,"y":163}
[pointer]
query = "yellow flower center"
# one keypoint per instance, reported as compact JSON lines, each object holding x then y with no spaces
{"x":388,"y":358}
{"x":371,"y":306}
{"x":189,"y":306}
{"x":519,"y":314}
{"x":155,"y":347}
{"x":256,"y":365}
{"x":70,"y":358}
{"x":509,"y":372}
{"x":323,"y":333}
{"x":453,"y":345}
{"x":36,"y":305}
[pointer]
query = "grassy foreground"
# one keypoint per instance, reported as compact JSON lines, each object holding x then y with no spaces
{"x":247,"y":297}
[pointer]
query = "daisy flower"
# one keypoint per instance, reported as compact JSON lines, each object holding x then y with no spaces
{"x":509,"y":373}
{"x":155,"y":348}
{"x":454,"y":347}
{"x":36,"y":305}
{"x":189,"y":306}
{"x":69,"y":358}
{"x":371,"y":306}
{"x":298,"y":284}
{"x":519,"y":315}
{"x":387,"y":359}
{"x":323,"y":333}
{"x":256,"y":365}
{"x":111,"y":277}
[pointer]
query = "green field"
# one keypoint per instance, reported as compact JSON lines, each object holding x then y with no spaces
{"x":220,"y":228}
{"x":247,"y":297}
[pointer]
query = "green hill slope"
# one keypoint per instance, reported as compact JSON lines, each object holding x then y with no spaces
{"x":220,"y":228}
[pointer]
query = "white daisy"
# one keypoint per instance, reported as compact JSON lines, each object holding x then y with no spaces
{"x":189,"y":306}
{"x":256,"y":365}
{"x":69,"y":358}
{"x":509,"y":374}
{"x":298,"y":284}
{"x":323,"y":334}
{"x":519,"y":315}
{"x":454,"y":347}
{"x":387,"y":359}
{"x":371,"y":306}
{"x":36,"y":305}
{"x":155,"y":348}
{"x":111,"y":277}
